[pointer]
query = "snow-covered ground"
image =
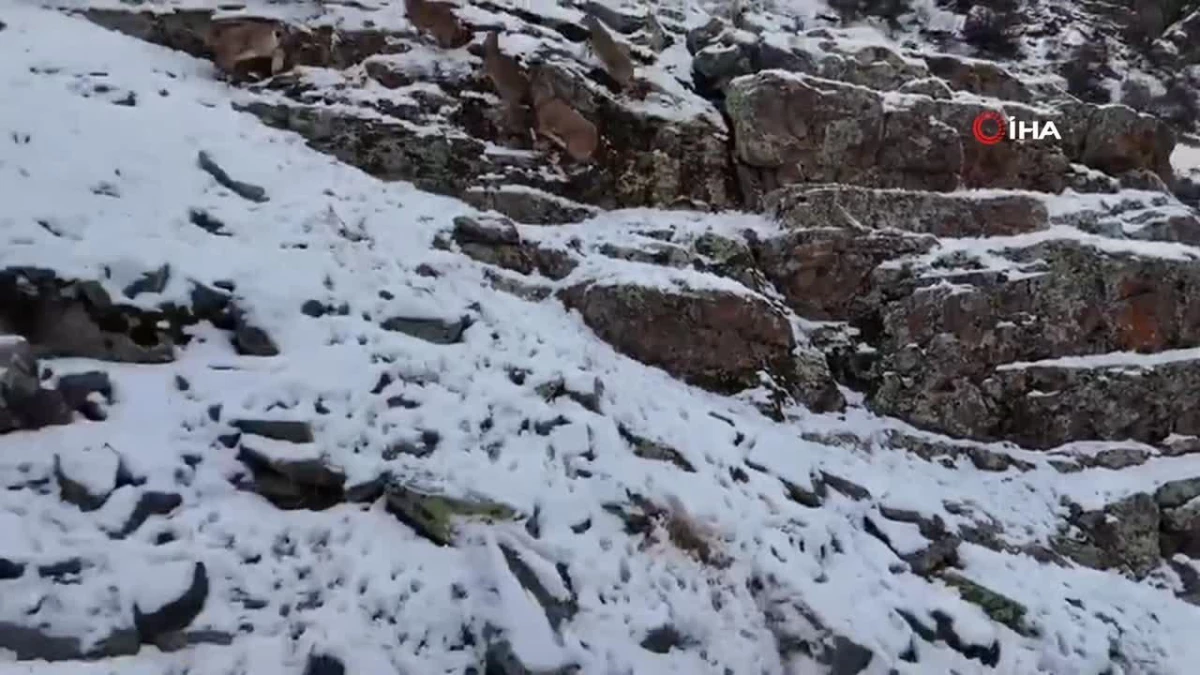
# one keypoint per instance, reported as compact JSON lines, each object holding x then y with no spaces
{"x":99,"y":190}
{"x":1186,"y":159}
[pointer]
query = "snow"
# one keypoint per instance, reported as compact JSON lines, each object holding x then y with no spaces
{"x":1186,"y":159}
{"x":162,"y":583}
{"x":1129,"y":360}
{"x":386,"y":596}
{"x":94,"y":468}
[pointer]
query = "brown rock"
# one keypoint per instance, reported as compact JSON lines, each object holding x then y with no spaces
{"x":1120,"y":139}
{"x":979,"y":77}
{"x":823,"y":272}
{"x":717,"y":340}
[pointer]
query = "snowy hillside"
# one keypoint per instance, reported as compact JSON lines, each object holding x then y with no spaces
{"x":324,"y":375}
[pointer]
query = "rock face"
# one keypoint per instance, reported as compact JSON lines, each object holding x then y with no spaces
{"x":717,"y":340}
{"x":938,"y":214}
{"x":942,"y":344}
{"x":791,"y":128}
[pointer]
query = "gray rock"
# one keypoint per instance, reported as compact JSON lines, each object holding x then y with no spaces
{"x":250,"y":340}
{"x":663,"y":639}
{"x":292,"y":431}
{"x":79,"y":319}
{"x":150,"y":282}
{"x":485,"y":231}
{"x":244,"y":190}
{"x":500,"y":659}
{"x":31,"y":643}
{"x":437,"y":331}
{"x":324,"y":664}
{"x":1123,"y":536}
{"x":558,"y":610}
{"x":942,"y":215}
{"x":77,"y":388}
{"x":1176,"y":493}
{"x":176,"y":615}
{"x":24,"y":404}
{"x":150,"y":503}
{"x":293,"y":483}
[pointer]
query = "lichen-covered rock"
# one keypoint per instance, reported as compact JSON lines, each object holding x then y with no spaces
{"x":940,"y":346}
{"x":434,"y":516}
{"x":1047,"y":406}
{"x":1123,"y":536}
{"x":826,"y":273}
{"x":1120,"y":139}
{"x":717,"y":340}
{"x":1001,"y":609}
{"x":942,"y":215}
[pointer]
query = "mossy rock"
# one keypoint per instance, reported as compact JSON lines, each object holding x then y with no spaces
{"x":433,"y":516}
{"x":1001,"y":609}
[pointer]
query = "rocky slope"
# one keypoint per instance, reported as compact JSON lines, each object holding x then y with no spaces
{"x":334,"y":373}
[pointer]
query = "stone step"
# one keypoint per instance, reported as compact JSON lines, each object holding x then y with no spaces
{"x":955,"y":214}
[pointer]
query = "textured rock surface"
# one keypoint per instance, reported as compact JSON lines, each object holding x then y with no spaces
{"x":714,"y":339}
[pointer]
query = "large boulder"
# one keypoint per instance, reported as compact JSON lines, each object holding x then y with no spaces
{"x":1046,"y":405}
{"x":715,"y":339}
{"x":1119,"y":139}
{"x":826,"y":273}
{"x":798,"y":129}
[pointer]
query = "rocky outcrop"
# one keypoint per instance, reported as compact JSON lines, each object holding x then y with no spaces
{"x":78,"y":318}
{"x":1137,"y":533}
{"x":1045,"y":406}
{"x":1179,"y":47}
{"x":960,"y":214}
{"x":497,"y":242}
{"x":717,"y":340}
{"x":798,"y":129}
{"x":791,"y":128}
{"x":941,"y":345}
{"x":827,"y":274}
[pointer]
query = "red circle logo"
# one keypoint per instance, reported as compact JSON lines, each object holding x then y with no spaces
{"x":982,"y":135}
